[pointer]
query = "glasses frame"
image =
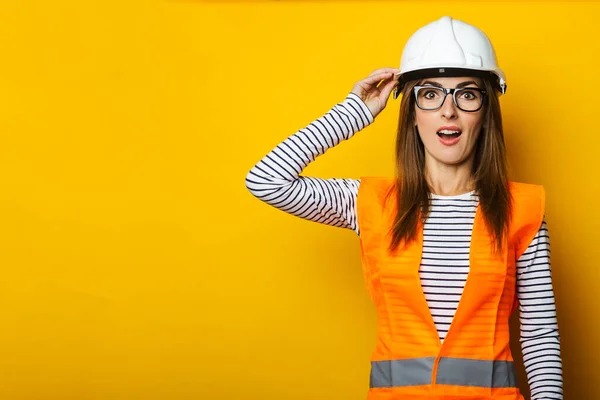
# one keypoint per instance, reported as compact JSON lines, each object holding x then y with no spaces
{"x":448,"y":91}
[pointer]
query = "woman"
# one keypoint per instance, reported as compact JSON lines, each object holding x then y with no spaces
{"x":450,"y":246}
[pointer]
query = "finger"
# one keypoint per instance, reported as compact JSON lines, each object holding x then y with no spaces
{"x":380,"y":70}
{"x":378,"y":77}
{"x":387,"y":88}
{"x":390,"y":79}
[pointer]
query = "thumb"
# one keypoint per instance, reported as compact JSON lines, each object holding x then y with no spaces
{"x":385,"y":92}
{"x":387,"y":89}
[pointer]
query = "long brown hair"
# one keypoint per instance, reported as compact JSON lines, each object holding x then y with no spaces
{"x":490,"y":172}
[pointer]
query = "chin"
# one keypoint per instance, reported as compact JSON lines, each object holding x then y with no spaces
{"x":450,"y":159}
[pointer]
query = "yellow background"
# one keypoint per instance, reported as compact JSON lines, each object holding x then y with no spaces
{"x":135,"y":264}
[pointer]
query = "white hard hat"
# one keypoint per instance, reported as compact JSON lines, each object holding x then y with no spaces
{"x":449,"y":47}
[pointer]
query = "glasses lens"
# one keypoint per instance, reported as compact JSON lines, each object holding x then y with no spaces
{"x":468,"y":99}
{"x":430,"y":98}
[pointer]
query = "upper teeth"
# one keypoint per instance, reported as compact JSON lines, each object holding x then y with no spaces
{"x":447,"y":132}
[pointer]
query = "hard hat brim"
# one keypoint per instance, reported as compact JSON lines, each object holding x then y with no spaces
{"x":492,"y":76}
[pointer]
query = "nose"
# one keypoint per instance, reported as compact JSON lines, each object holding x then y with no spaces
{"x":448,"y":107}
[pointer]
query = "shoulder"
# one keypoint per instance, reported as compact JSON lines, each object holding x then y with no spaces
{"x":375,"y":188}
{"x":527,"y":198}
{"x":520,"y":189}
{"x":528,"y":209}
{"x":377,"y":182}
{"x":374,"y":201}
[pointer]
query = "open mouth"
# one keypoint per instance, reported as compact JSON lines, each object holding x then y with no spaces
{"x":449,"y":134}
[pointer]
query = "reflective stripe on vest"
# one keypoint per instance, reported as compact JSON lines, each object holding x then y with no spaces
{"x":451,"y":371}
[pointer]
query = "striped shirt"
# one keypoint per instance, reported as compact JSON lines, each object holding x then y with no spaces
{"x":276,"y":180}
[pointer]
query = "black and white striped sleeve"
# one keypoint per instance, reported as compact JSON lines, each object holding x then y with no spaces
{"x":540,"y":340}
{"x":276,"y":179}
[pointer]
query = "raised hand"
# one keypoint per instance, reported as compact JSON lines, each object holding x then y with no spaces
{"x":375,"y":89}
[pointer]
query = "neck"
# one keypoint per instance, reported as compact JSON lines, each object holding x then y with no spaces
{"x":449,"y":180}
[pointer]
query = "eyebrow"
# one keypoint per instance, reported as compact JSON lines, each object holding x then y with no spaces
{"x":462,"y":84}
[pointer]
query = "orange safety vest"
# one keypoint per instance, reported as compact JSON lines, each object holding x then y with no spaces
{"x":474,"y":361}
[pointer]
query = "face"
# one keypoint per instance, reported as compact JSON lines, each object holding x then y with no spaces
{"x":449,"y":134}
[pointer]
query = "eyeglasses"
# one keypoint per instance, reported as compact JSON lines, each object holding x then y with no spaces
{"x":432,"y":97}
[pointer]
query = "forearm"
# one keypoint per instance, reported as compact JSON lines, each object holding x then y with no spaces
{"x":276,"y":179}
